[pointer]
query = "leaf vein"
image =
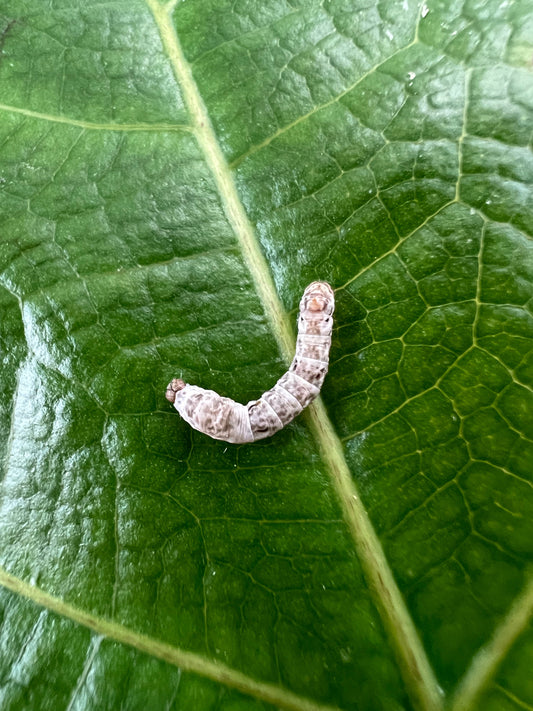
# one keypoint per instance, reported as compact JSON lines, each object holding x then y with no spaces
{"x":95,"y":126}
{"x":487,"y":661}
{"x":187,"y":661}
{"x":417,"y":672}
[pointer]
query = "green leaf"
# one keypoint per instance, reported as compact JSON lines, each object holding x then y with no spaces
{"x":172,"y":176}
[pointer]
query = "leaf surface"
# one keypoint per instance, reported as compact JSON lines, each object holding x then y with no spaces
{"x":172,"y":176}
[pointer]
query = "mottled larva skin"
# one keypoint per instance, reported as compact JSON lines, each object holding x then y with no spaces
{"x":223,"y":418}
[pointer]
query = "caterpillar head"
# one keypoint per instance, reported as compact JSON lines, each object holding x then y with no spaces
{"x":174,"y":387}
{"x":318,"y":297}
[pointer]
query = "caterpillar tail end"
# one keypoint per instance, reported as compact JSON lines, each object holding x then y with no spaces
{"x":174,"y":387}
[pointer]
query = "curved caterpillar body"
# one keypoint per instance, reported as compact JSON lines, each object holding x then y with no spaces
{"x":223,"y":418}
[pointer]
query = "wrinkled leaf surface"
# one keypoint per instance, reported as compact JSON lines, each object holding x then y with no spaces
{"x":171,"y":178}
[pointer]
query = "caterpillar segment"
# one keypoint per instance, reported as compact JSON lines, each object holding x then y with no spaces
{"x":222,"y":418}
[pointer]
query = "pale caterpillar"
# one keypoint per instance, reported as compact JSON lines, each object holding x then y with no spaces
{"x":223,"y":418}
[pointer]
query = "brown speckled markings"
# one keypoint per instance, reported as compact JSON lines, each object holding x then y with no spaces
{"x":223,"y":418}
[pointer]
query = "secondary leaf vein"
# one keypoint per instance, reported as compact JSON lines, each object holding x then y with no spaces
{"x":186,"y":661}
{"x":95,"y":126}
{"x":488,"y":659}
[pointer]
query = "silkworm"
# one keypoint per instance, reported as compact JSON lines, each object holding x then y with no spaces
{"x":223,"y":418}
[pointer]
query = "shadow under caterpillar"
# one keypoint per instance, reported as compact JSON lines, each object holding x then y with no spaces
{"x":223,"y":418}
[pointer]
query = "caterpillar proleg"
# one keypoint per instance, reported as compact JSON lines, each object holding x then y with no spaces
{"x":223,"y":418}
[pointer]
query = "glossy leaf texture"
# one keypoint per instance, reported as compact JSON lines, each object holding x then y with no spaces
{"x":172,"y":176}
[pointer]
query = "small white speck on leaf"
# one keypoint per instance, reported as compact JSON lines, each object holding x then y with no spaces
{"x":346,"y":655}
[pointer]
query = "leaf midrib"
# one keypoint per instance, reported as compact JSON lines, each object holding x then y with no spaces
{"x":417,"y":672}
